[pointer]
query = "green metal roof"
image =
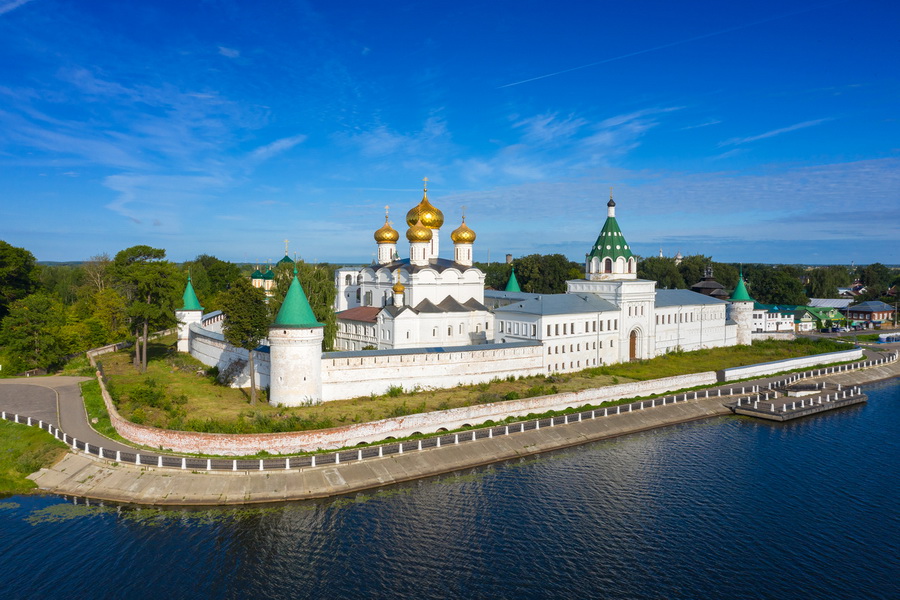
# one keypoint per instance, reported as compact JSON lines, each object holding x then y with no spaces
{"x":740,"y":292}
{"x":257,"y":274}
{"x":513,"y":284}
{"x":269,"y":274}
{"x":287,"y":259}
{"x":610,"y":243}
{"x":295,"y":311}
{"x":189,"y":298}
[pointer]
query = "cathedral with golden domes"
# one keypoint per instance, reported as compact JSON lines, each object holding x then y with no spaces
{"x":423,"y":300}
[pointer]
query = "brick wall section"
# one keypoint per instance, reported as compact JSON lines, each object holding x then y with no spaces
{"x":350,"y":435}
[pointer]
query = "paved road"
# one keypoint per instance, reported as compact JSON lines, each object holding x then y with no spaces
{"x":56,"y":400}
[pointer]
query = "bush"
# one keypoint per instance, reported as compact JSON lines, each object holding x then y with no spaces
{"x":394,"y":391}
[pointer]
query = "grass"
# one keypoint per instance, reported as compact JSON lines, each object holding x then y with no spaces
{"x":24,"y":450}
{"x":178,"y":392}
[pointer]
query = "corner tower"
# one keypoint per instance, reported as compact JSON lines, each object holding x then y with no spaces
{"x":741,"y":312}
{"x":610,"y":257}
{"x":295,"y":351}
{"x":190,"y":312}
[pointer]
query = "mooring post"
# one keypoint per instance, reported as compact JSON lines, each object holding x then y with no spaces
{"x":209,"y":464}
{"x":158,"y":462}
{"x":456,"y":437}
{"x":260,"y":464}
{"x":380,"y":451}
{"x":359,"y":455}
{"x":313,"y":457}
{"x":183,"y":463}
{"x":473,"y":435}
{"x":234,"y":464}
{"x":505,"y":431}
{"x":137,"y":459}
{"x":337,"y":456}
{"x":438,"y":442}
{"x":287,"y":463}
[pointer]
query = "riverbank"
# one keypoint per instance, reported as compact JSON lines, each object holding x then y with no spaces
{"x":79,"y":475}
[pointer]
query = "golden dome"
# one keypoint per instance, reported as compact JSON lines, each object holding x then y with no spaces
{"x":418,"y":232}
{"x":463,"y":234}
{"x":398,"y":287}
{"x":432,"y":218}
{"x":387,"y":234}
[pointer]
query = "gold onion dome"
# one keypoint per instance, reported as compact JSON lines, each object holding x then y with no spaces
{"x":463,"y":234}
{"x":418,"y":233}
{"x":431,"y":217}
{"x":398,"y":287}
{"x":387,"y":234}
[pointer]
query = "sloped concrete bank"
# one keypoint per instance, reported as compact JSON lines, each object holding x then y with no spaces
{"x":78,"y":475}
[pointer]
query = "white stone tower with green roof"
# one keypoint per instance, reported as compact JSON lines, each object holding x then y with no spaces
{"x":610,"y":257}
{"x":741,"y":312}
{"x":295,"y":351}
{"x":190,"y":312}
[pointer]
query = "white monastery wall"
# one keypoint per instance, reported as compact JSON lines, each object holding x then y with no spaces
{"x":212,"y":350}
{"x":790,"y":364}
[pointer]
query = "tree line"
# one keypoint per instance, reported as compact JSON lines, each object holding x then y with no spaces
{"x":48,"y":312}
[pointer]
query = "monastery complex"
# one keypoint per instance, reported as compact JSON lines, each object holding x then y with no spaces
{"x":432,"y":324}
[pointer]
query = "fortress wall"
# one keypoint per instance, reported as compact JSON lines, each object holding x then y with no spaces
{"x":356,"y":376}
{"x":212,"y":350}
{"x":789,"y":365}
{"x":350,"y":435}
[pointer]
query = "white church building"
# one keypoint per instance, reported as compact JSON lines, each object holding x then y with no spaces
{"x":428,"y":320}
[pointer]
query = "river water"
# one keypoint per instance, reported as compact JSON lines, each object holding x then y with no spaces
{"x":723,"y":508}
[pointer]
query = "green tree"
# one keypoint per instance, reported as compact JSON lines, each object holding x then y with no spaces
{"x":875,"y":275}
{"x":544,"y":273}
{"x":693,"y":269}
{"x":32,"y":332}
{"x":246,"y":321}
{"x":495,"y":274}
{"x":18,"y":275}
{"x":823,"y":282}
{"x":63,"y":281}
{"x":152,"y":288}
{"x":725,"y":274}
{"x":776,"y":285}
{"x":661,"y":270}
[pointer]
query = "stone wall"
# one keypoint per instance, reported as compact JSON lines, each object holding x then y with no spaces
{"x":773,"y":335}
{"x":212,"y":350}
{"x":350,"y":375}
{"x":789,"y":364}
{"x":351,"y":435}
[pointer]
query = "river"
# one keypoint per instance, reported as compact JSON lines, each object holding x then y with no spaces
{"x":723,"y":508}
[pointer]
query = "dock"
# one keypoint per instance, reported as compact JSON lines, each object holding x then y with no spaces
{"x":795,"y":400}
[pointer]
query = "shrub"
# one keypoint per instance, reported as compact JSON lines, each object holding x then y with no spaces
{"x":394,"y":391}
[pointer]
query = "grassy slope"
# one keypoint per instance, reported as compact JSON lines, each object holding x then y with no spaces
{"x":24,"y":450}
{"x":193,"y":402}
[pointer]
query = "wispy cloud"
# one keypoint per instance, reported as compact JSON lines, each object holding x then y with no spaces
{"x":773,"y":133}
{"x":266,"y":152}
{"x":229,"y":52}
{"x":8,"y":5}
{"x":671,"y":44}
{"x":704,"y":124}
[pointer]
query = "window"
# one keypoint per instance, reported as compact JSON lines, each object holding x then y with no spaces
{"x":564,"y":328}
{"x":557,"y":329}
{"x":549,"y":333}
{"x":460,"y":328}
{"x":615,"y":323}
{"x":501,"y":326}
{"x":534,"y":331}
{"x":450,"y":330}
{"x":434,"y":332}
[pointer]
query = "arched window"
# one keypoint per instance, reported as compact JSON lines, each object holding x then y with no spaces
{"x":608,"y":265}
{"x":349,"y":279}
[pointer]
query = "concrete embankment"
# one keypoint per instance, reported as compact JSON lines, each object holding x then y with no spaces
{"x":78,"y":475}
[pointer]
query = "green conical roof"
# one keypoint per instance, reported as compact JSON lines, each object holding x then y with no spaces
{"x":295,"y":311}
{"x":287,"y":259}
{"x":189,"y":298}
{"x":610,"y":243}
{"x":513,"y":284}
{"x":257,"y":274}
{"x":740,"y":291}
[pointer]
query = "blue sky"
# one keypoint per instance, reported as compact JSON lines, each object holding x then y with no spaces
{"x":748,"y":131}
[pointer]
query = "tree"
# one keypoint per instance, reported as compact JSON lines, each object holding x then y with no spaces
{"x":875,"y":275}
{"x":246,"y":321}
{"x":776,"y":286}
{"x":18,"y":275}
{"x":825,"y":281}
{"x":96,"y":271}
{"x":31,"y":332}
{"x":693,"y":268}
{"x":544,"y":273}
{"x":152,"y":288}
{"x":661,"y":270}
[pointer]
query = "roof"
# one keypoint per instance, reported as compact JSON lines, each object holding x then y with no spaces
{"x":831,"y":302}
{"x":367,"y":314}
{"x":610,"y":243}
{"x":665,"y":298}
{"x":287,"y":259}
{"x":257,"y":274}
{"x":438,"y":264}
{"x":269,"y":274}
{"x":189,"y":297}
{"x":871,"y":306}
{"x":740,"y":291}
{"x":295,"y":311}
{"x":513,"y":284}
{"x":512,"y":296}
{"x":559,"y":304}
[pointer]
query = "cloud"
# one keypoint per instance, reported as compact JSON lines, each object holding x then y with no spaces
{"x":773,"y":133}
{"x":10,"y":5}
{"x":549,"y":128}
{"x":229,"y":52}
{"x":266,"y":152}
{"x":382,"y":142}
